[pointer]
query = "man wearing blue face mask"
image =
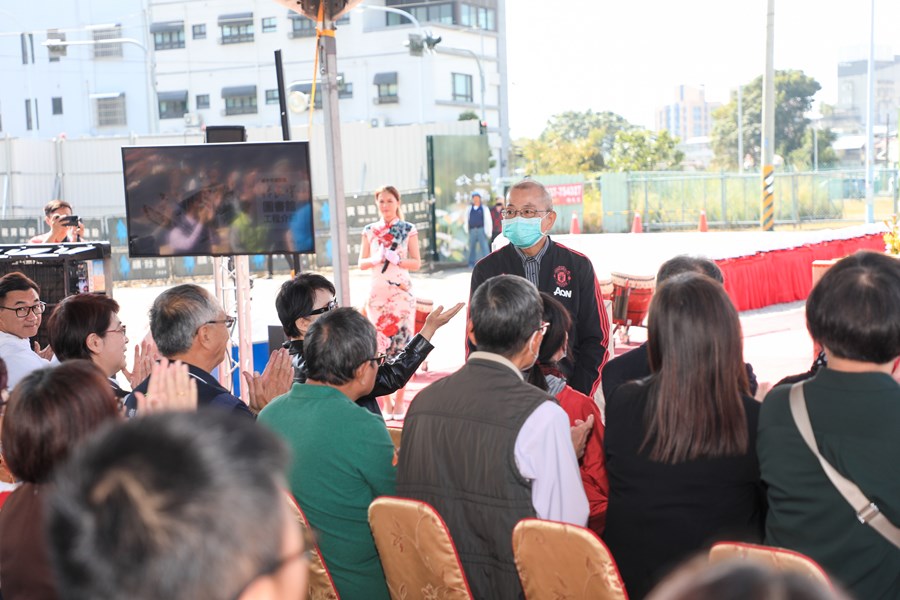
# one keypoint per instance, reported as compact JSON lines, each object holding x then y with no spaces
{"x":560,"y":271}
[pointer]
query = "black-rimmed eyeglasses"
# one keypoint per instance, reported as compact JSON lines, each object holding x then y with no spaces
{"x":227,"y":321}
{"x":22,"y":311}
{"x":332,"y":304}
{"x":378,"y":359}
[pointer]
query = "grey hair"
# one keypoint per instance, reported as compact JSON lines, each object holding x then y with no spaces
{"x":531,"y":184}
{"x":337,"y":344}
{"x":177,"y":314}
{"x":505,"y":311}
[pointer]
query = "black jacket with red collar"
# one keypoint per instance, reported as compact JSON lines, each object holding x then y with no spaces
{"x":569,"y":277}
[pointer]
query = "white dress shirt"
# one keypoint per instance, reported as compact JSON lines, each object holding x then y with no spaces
{"x":545,"y":456}
{"x":19,"y":357}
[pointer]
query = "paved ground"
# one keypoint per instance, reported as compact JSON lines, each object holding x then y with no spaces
{"x":775,"y":339}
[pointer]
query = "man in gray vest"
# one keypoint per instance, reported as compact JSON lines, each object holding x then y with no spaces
{"x":487,"y":449}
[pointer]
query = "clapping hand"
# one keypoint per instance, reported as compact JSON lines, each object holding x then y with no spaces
{"x":171,"y":387}
{"x":438,"y":318}
{"x":142,"y":365}
{"x":392,"y":256}
{"x":46,"y":353}
{"x":580,"y":431}
{"x":276,"y":380}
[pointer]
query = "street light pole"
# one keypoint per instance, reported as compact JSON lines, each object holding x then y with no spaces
{"x":152,"y":121}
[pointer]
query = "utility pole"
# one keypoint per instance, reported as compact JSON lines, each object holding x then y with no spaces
{"x":870,"y":120}
{"x":768,"y":125}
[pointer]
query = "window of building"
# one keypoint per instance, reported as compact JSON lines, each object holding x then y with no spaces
{"x":240,"y":100}
{"x":269,"y":25}
{"x":345,"y":90}
{"x":272,"y":96}
{"x":199,"y":31}
{"x":462,"y":87}
{"x":434,"y":13}
{"x":168,"y":36}
{"x":56,"y":106}
{"x":28,"y":123}
{"x":236,"y":28}
{"x":172,"y":105}
{"x":202,"y":101}
{"x":27,"y":40}
{"x":302,"y":27}
{"x":109,"y":110}
{"x":387,"y":88}
{"x":478,"y":16}
{"x":56,"y":51}
{"x":107,"y":49}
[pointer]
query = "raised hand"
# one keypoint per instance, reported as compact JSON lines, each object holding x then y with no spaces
{"x":438,"y":318}
{"x":276,"y":380}
{"x":46,"y":353}
{"x":171,"y":388}
{"x":142,"y":365}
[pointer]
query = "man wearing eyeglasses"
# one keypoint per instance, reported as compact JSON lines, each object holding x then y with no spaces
{"x":189,"y":324}
{"x":557,"y":270}
{"x":343,"y":457}
{"x":21,"y":311}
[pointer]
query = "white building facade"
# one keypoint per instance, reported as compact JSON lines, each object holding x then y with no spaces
{"x":211,"y":62}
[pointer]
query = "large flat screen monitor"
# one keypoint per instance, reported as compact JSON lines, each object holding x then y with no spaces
{"x":218,"y":199}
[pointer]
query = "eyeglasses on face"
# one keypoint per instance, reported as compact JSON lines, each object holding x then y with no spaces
{"x":22,"y":311}
{"x":274,"y":568}
{"x":332,"y":304}
{"x":227,"y":321}
{"x":528,"y":213}
{"x":543,"y":328}
{"x":378,"y":359}
{"x":119,"y":329}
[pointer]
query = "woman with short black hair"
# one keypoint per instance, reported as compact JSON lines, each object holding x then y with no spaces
{"x":853,"y":406}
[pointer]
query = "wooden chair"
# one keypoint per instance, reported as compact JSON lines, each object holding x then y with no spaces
{"x":396,"y":434}
{"x":416,"y":550}
{"x":321,"y":585}
{"x":777,"y":558}
{"x":558,"y":560}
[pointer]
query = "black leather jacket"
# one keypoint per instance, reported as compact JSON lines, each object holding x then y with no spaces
{"x":391,"y":375}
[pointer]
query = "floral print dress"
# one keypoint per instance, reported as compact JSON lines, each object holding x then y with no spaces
{"x":391,"y":306}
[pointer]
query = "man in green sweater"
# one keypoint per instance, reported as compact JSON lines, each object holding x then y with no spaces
{"x":343,"y":457}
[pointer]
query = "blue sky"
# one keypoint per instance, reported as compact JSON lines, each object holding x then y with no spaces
{"x":628,"y":56}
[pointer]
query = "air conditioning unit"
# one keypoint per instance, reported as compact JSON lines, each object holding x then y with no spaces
{"x":193,"y":119}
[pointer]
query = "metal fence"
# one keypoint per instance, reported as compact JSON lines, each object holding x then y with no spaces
{"x":672,"y":201}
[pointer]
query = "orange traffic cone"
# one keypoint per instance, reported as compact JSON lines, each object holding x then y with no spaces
{"x":575,"y":227}
{"x":636,"y":226}
{"x":704,"y":226}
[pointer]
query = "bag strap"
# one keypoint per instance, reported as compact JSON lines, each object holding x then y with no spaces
{"x":867,"y":512}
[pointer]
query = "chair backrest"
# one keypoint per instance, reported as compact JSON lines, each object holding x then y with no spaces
{"x":781,"y":559}
{"x":416,"y":550}
{"x":321,"y":585}
{"x":558,"y":560}
{"x":396,"y":433}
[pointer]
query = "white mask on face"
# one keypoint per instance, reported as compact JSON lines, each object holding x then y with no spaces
{"x":533,"y":353}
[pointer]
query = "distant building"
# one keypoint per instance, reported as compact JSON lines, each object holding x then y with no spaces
{"x":690,"y":116}
{"x":850,"y":110}
{"x":187,"y":64}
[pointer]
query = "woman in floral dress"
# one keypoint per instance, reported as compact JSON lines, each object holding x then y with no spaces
{"x":390,"y":248}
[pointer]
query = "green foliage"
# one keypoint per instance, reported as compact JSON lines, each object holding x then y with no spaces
{"x":794,"y":92}
{"x":643,"y":150}
{"x":468,"y":115}
{"x":573,"y":142}
{"x":802,"y":158}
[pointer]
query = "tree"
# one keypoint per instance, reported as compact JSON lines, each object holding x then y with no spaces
{"x":468,"y":115}
{"x":644,"y":150}
{"x":794,"y":92}
{"x":573,"y":142}
{"x":802,"y":158}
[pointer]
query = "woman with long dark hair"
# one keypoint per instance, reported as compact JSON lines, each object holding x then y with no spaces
{"x":680,"y":444}
{"x":546,"y":375}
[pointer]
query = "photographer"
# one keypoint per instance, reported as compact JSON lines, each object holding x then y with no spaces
{"x":64,"y":226}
